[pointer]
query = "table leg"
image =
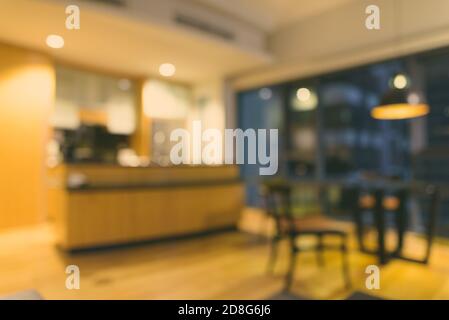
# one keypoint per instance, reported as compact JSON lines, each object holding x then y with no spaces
{"x":401,"y":222}
{"x":379,"y":214}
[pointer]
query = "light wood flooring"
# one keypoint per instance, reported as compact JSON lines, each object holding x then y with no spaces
{"x":229,"y":265}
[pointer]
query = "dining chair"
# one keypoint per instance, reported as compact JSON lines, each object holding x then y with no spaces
{"x":287,"y":226}
{"x":364,"y":204}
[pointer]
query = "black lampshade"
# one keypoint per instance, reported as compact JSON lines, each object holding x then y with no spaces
{"x":399,"y":104}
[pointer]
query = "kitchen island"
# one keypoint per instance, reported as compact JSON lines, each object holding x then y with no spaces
{"x":104,"y":205}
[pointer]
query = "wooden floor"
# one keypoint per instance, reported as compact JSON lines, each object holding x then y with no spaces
{"x":222,"y":266}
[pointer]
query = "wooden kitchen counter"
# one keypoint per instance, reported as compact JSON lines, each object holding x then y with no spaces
{"x":101,"y":205}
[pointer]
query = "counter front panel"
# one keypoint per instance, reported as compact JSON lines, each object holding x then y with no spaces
{"x":115,"y":205}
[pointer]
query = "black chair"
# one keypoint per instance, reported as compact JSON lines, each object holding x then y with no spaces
{"x":279,"y":207}
{"x":364,"y":202}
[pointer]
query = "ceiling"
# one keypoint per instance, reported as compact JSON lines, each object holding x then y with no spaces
{"x":120,"y":44}
{"x":271,"y":15}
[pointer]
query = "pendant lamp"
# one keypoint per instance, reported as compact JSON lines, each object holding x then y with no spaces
{"x":400,"y":103}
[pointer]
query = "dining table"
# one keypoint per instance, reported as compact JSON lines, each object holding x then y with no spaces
{"x":391,"y":198}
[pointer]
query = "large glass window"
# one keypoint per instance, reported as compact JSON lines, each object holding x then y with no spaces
{"x":302,"y":135}
{"x":327,"y":131}
{"x":354,"y":144}
{"x":260,"y":109}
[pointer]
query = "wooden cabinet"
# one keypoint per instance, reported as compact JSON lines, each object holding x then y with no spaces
{"x":26,"y":91}
{"x":85,"y":97}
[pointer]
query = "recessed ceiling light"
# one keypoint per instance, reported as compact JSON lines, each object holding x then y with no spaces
{"x":167,"y":69}
{"x":54,"y":41}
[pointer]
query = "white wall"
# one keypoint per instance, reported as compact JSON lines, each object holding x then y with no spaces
{"x":209,"y":104}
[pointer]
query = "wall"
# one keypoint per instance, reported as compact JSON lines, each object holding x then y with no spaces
{"x":339,"y":39}
{"x":26,"y":98}
{"x":209,"y":108}
{"x":181,"y":105}
{"x":209,"y":104}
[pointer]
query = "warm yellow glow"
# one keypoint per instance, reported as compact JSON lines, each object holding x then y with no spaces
{"x":303,"y":94}
{"x":399,"y":111}
{"x":54,"y":41}
{"x":26,"y":99}
{"x":367,"y":201}
{"x":400,"y":81}
{"x":306,"y":100}
{"x":391,"y":203}
{"x":167,"y":69}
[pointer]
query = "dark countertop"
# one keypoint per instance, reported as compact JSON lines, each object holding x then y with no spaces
{"x":153,"y":185}
{"x":151,"y":166}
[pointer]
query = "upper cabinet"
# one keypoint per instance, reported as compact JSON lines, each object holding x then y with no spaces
{"x":90,"y":98}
